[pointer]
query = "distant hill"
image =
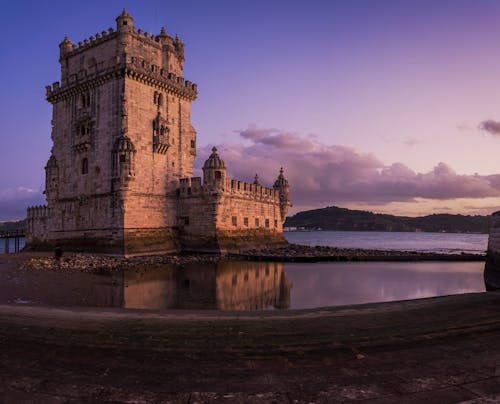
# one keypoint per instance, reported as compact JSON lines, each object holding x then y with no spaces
{"x":335,"y":218}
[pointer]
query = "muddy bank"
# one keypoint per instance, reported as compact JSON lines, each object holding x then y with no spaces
{"x":302,"y":253}
{"x":438,"y":350}
{"x":290,"y":253}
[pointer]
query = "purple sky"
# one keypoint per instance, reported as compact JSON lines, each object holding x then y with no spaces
{"x":392,"y":106}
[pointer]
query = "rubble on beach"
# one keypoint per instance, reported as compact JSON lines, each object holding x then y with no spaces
{"x":290,"y":253}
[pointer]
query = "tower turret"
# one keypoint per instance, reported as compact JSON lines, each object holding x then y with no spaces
{"x":51,"y":178}
{"x":124,"y":22}
{"x":214,"y":169}
{"x":281,"y":184}
{"x":65,"y":47}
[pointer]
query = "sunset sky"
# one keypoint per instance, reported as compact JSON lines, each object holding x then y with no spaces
{"x":391,"y":106}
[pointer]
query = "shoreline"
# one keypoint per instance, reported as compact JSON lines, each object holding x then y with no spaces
{"x":292,"y":253}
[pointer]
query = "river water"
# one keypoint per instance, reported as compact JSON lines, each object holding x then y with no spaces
{"x":236,"y":285}
{"x":447,"y":243}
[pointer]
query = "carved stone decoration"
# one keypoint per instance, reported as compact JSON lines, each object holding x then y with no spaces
{"x":123,"y":159}
{"x":160,"y":135}
{"x":82,"y":139}
{"x":51,"y":178}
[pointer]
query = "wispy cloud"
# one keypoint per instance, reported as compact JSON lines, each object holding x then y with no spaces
{"x":324,"y":174}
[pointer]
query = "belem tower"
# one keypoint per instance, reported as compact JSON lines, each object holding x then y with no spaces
{"x":120,"y":179}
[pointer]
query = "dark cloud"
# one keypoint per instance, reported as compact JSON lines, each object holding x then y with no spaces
{"x":324,"y":174}
{"x":490,"y":126}
{"x":14,"y":201}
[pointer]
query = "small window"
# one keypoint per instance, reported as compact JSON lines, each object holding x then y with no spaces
{"x":193,"y":144}
{"x":125,"y":22}
{"x":234,"y":221}
{"x":256,"y":222}
{"x":122,"y":158}
{"x":245,"y":221}
{"x":276,"y":223}
{"x":218,"y":175}
{"x":267,"y":223}
{"x":85,"y":166}
{"x":185,"y":220}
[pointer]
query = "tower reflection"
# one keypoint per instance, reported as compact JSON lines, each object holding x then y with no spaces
{"x":221,"y":286}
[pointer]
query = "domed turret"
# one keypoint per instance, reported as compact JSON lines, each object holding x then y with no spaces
{"x":214,"y":169}
{"x":124,"y":22}
{"x":51,"y":177}
{"x":65,"y":47}
{"x":281,"y":184}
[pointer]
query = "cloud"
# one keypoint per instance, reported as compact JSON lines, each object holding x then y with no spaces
{"x":322,"y":174}
{"x":14,"y":201}
{"x":490,"y":126}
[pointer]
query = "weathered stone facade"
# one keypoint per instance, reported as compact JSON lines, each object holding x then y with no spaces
{"x":120,"y":175}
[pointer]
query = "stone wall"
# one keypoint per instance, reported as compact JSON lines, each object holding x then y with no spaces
{"x":494,"y":238}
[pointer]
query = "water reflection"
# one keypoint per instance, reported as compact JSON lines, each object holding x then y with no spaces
{"x":222,"y":286}
{"x":334,"y":284}
{"x":233,"y":285}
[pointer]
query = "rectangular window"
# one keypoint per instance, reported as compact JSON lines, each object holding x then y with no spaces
{"x":234,"y":220}
{"x":245,"y":221}
{"x":267,"y":223}
{"x":256,"y":222}
{"x":185,"y":220}
{"x":275,"y":223}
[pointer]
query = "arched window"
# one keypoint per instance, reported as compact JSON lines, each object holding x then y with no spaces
{"x":218,"y":175}
{"x":160,"y":100}
{"x":85,"y":166}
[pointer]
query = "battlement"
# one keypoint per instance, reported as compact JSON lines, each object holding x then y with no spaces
{"x":159,"y":41}
{"x":36,"y":212}
{"x":193,"y":187}
{"x":70,"y":49}
{"x":131,"y":66}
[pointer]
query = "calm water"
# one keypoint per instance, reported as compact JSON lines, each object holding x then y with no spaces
{"x":430,"y":242}
{"x":426,"y":242}
{"x":22,"y":243}
{"x":243,"y":285}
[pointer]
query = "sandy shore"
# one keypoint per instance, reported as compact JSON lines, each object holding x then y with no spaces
{"x":441,"y":350}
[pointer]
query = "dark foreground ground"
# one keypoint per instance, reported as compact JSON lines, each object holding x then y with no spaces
{"x":438,"y":350}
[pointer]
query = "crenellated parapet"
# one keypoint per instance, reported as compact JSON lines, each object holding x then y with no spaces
{"x":229,"y":187}
{"x":68,"y":48}
{"x":37,"y":212}
{"x":132,"y":67}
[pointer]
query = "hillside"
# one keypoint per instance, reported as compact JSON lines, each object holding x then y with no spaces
{"x":335,"y":218}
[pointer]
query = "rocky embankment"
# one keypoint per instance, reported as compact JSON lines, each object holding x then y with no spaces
{"x":100,"y":263}
{"x":290,"y":253}
{"x":302,"y":253}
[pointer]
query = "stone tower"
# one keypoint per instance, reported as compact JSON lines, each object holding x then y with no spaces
{"x":122,"y":139}
{"x":120,"y":174}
